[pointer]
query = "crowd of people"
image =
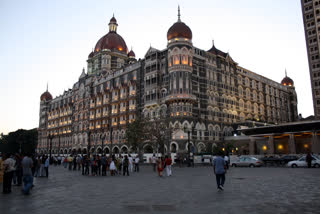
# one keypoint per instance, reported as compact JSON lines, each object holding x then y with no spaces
{"x":97,"y":165}
{"x":20,"y":170}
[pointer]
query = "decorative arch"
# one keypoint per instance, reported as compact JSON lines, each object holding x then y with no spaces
{"x":174,"y":147}
{"x":124,"y":149}
{"x":115,"y":150}
{"x":147,"y":148}
{"x":201,"y":147}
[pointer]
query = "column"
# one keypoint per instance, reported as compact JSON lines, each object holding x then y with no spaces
{"x":252,"y":146}
{"x":315,"y":147}
{"x":292,"y":144}
{"x":271,"y":145}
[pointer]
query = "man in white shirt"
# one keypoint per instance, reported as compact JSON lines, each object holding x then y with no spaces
{"x":226,"y":160}
{"x":137,"y":160}
{"x":130,"y":163}
{"x":154,"y":162}
{"x":8,"y":165}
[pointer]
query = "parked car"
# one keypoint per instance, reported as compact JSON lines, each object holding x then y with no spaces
{"x":287,"y":158}
{"x":247,"y":161}
{"x":278,"y":161}
{"x":302,"y":162}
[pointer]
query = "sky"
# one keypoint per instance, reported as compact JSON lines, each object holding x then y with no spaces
{"x":49,"y":42}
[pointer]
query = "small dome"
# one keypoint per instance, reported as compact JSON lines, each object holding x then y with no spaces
{"x":131,"y":54}
{"x":287,"y":81}
{"x":179,"y":30}
{"x":91,"y":54}
{"x":113,"y":19}
{"x":46,"y":96}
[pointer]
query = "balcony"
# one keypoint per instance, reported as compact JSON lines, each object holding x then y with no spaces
{"x":178,"y":97}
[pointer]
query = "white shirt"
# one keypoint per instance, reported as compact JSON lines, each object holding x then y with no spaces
{"x":153,"y":159}
{"x":9,"y":164}
{"x":130,"y":160}
{"x":137,"y":160}
{"x":226,"y":158}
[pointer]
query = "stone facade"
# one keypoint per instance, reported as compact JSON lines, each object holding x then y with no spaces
{"x":311,"y":19}
{"x":203,"y":94}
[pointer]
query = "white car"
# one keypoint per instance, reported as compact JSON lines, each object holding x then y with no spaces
{"x":301,"y":162}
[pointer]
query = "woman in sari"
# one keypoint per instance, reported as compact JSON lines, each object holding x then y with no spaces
{"x":160,"y":166}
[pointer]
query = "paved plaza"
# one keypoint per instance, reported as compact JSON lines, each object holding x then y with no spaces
{"x":189,"y":190}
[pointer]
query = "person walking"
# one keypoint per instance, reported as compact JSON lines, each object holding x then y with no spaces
{"x":219,"y":167}
{"x":160,"y":166}
{"x":168,"y":162}
{"x":86,"y":165}
{"x":226,"y":159}
{"x":136,"y":166}
{"x":27,"y":165}
{"x":104,"y":165}
{"x":113,"y":167}
{"x":8,"y":165}
{"x":1,"y":169}
{"x":70,"y":162}
{"x":18,"y":171}
{"x":130,"y":163}
{"x":125,"y":166}
{"x":78,"y":162}
{"x":154,"y":162}
{"x":309,"y":159}
{"x":46,"y":166}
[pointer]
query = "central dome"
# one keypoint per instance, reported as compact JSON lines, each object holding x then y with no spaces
{"x":179,"y":30}
{"x":111,"y":40}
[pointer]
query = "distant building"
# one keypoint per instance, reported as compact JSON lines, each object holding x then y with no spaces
{"x":311,"y":20}
{"x":204,"y":93}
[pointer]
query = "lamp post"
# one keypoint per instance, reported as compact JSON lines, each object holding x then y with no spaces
{"x":89,"y":144}
{"x":102,"y":138}
{"x":50,"y":136}
{"x":59,"y":147}
{"x":111,"y":130}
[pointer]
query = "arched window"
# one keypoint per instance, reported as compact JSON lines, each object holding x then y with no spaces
{"x":184,"y":60}
{"x":176,"y":60}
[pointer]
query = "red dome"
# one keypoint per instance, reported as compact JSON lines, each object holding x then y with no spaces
{"x":179,"y":30}
{"x":111,"y":41}
{"x":46,"y":96}
{"x":131,"y":54}
{"x":287,"y":81}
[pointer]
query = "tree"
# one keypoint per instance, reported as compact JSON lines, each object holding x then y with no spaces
{"x":136,"y":135}
{"x":24,"y":140}
{"x":159,"y":133}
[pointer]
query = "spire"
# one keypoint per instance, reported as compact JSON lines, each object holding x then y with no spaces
{"x":285,"y":70}
{"x":47,"y":86}
{"x":179,"y":20}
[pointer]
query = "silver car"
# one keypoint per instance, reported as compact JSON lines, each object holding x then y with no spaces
{"x":247,"y":161}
